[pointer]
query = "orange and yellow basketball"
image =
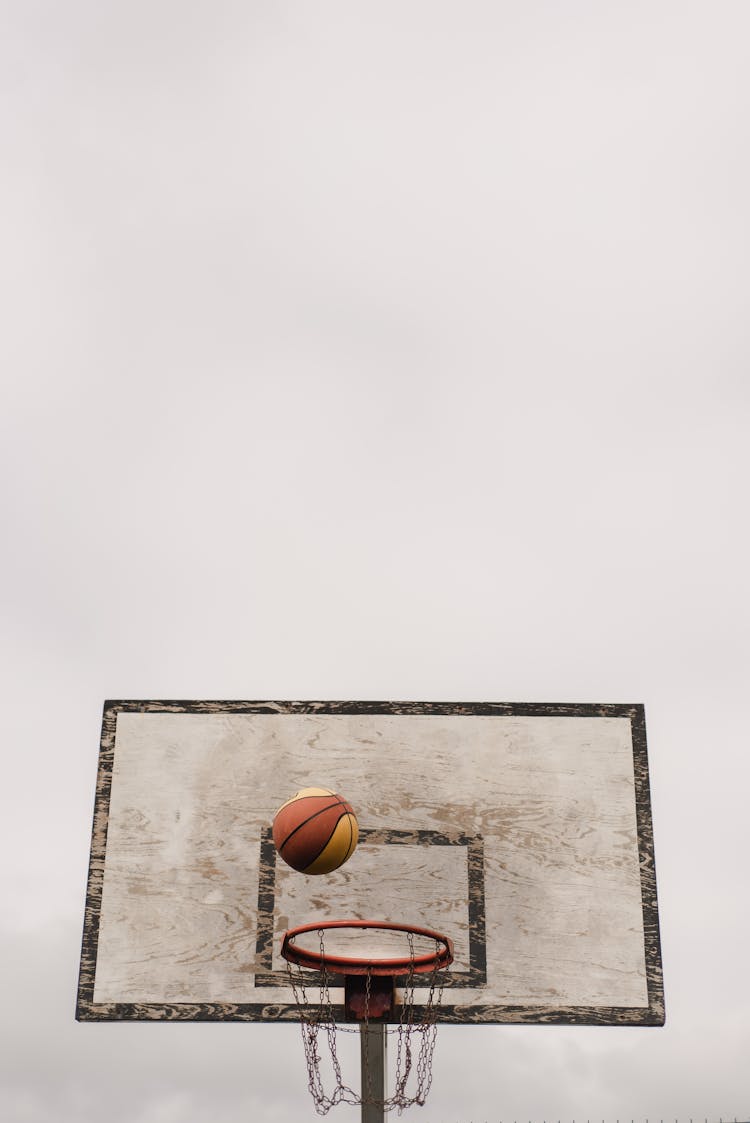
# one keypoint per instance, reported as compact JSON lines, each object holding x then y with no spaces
{"x":315,"y":831}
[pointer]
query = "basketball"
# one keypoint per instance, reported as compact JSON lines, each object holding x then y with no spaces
{"x":315,"y":831}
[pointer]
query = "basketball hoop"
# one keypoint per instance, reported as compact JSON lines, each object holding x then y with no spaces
{"x":369,"y":987}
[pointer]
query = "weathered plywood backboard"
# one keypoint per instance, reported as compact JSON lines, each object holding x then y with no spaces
{"x":523,"y":832}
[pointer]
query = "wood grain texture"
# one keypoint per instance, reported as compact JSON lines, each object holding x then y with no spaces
{"x":522,"y":831}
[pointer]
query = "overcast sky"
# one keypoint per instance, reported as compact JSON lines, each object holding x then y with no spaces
{"x":357,"y":350}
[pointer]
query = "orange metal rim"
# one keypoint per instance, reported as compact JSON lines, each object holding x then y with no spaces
{"x":350,"y":965}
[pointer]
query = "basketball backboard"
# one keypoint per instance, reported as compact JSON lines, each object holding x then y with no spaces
{"x":523,"y":832}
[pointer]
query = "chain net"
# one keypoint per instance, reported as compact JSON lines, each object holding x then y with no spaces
{"x":415,"y":1037}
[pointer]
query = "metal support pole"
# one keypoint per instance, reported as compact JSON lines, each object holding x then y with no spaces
{"x":373,"y":1041}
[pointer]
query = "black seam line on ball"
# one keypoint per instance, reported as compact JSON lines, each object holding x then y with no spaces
{"x":309,"y":819}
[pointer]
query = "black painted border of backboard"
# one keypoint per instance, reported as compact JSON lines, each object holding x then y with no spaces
{"x":476,"y":976}
{"x":651,"y":1015}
